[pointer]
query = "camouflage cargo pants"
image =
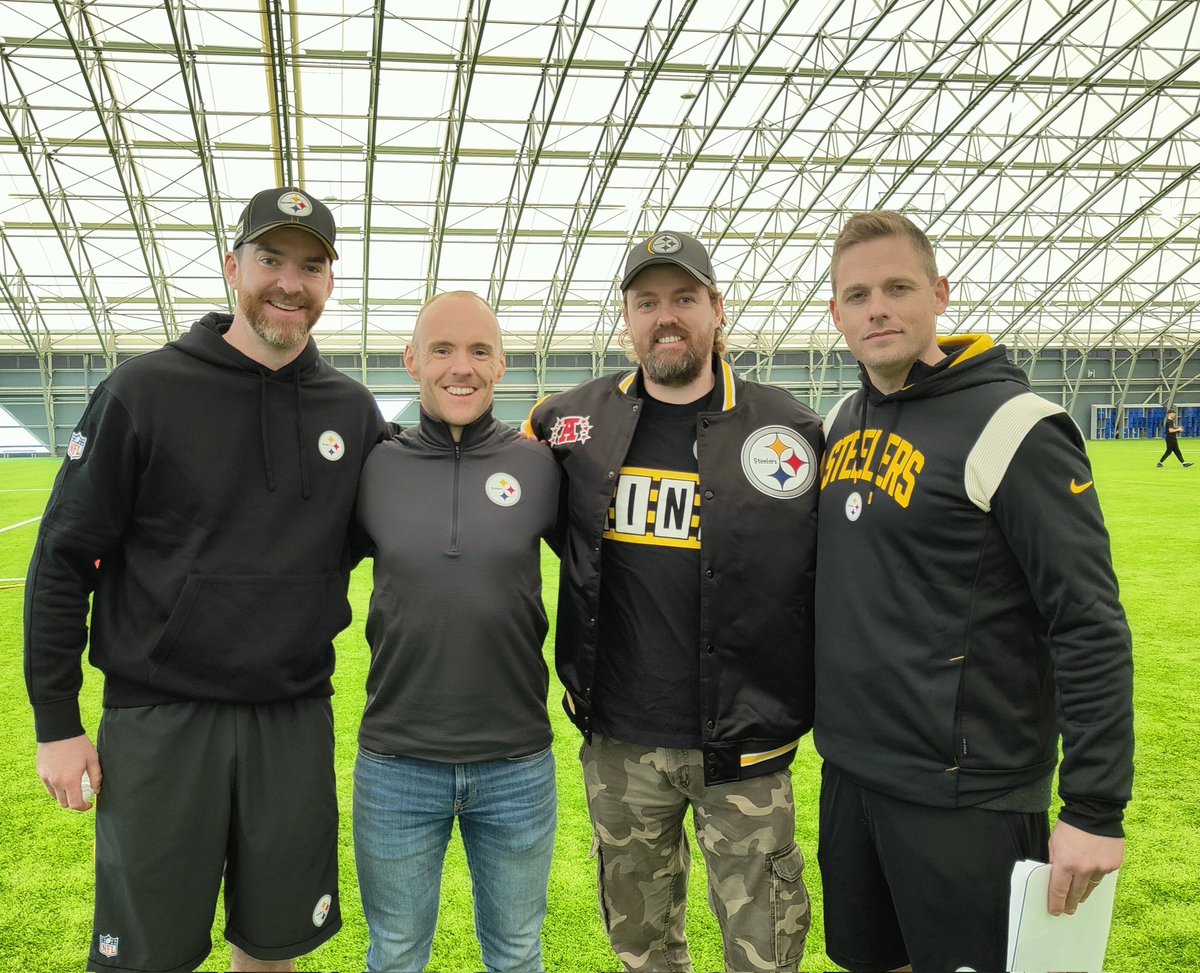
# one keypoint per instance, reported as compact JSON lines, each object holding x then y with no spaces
{"x":637,"y":797}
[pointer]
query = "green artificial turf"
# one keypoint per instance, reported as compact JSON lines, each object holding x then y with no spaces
{"x":45,"y":852}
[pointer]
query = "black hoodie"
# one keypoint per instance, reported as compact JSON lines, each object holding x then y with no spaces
{"x":217,"y":497}
{"x":967,"y":608}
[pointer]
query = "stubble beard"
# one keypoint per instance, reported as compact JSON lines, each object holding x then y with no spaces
{"x":895,"y":360}
{"x":284,"y":337}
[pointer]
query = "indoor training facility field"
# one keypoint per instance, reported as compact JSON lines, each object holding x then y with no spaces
{"x":45,"y":852}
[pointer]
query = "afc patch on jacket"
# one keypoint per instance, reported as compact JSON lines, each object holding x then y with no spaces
{"x":571,"y":429}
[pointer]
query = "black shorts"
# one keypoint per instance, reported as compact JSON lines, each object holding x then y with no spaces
{"x":196,"y":791}
{"x":906,"y":883}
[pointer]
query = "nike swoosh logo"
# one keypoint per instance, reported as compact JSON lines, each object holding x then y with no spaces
{"x":1080,"y":487}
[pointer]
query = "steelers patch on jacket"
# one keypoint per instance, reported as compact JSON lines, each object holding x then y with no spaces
{"x":294,"y":204}
{"x":570,"y":429}
{"x":503,"y":489}
{"x":778,"y":462}
{"x":854,"y":506}
{"x":331,"y":446}
{"x":664,"y":243}
{"x":658,"y":507}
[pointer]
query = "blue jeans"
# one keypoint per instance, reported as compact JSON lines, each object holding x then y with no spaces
{"x":403,"y":813}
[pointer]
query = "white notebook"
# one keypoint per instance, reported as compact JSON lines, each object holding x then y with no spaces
{"x":1041,"y":943}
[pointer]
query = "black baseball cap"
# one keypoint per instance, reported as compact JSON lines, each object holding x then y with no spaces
{"x":669,"y":247}
{"x":286,"y":206}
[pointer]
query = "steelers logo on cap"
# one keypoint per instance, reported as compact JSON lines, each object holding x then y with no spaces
{"x":294,"y":204}
{"x":664,"y":243}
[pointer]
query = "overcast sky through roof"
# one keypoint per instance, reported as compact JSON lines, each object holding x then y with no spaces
{"x":517,"y":148}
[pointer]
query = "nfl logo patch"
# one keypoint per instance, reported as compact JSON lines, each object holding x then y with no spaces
{"x":75,"y":447}
{"x":108,"y":945}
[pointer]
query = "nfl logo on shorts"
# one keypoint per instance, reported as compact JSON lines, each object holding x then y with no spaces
{"x":75,"y":447}
{"x":108,"y":945}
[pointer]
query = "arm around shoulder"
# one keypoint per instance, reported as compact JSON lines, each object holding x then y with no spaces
{"x":531,"y":428}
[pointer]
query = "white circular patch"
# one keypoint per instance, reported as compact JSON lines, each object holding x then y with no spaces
{"x":321,"y":909}
{"x":294,"y":204}
{"x":778,"y":462}
{"x":854,"y":506}
{"x":665,"y":243}
{"x":503,"y":489}
{"x":331,"y":446}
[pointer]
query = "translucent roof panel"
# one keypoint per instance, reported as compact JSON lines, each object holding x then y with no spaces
{"x":520,"y":147}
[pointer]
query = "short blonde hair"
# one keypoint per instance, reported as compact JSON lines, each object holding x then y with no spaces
{"x":864,"y":227}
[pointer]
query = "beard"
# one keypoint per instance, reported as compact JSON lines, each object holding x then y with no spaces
{"x":673,"y":370}
{"x":284,"y":335}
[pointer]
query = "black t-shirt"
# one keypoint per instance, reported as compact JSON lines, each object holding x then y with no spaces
{"x":646,"y":687}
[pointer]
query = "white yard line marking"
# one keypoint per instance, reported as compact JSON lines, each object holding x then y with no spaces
{"x":23,"y":523}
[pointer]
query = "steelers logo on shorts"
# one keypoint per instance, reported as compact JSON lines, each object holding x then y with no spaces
{"x":321,"y":910}
{"x":779,"y":462}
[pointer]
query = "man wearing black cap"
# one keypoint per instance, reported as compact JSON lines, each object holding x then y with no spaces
{"x":685,"y":620}
{"x":205,"y":507}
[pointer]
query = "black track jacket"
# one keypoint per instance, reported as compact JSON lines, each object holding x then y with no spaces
{"x":757,"y":459}
{"x":456,"y":620}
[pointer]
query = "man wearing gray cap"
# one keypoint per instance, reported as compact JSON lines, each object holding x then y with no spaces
{"x":205,"y":508}
{"x":687,"y":654}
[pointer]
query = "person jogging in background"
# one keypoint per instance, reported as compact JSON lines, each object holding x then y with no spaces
{"x":205,"y":508}
{"x":1171,"y":431}
{"x":967,"y":613}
